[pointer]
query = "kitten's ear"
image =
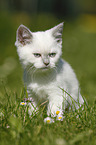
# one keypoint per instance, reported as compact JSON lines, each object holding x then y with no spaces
{"x":57,"y":32}
{"x":24,"y":35}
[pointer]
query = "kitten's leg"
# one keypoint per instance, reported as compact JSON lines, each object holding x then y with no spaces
{"x":54,"y":109}
{"x":76,"y":100}
{"x":55,"y":106}
{"x":32,"y":104}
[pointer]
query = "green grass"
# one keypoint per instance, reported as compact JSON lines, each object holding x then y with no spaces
{"x":79,"y":49}
{"x":16,"y":127}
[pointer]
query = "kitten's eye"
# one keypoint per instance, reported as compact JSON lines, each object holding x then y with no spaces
{"x":52,"y":54}
{"x":37,"y":55}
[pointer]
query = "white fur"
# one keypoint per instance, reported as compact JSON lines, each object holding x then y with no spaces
{"x":45,"y":82}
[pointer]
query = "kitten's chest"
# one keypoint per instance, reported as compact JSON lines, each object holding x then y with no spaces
{"x":40,"y":80}
{"x":40,"y":90}
{"x":42,"y":84}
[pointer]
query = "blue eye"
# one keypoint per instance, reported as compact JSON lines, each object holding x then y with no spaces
{"x":37,"y":55}
{"x":52,"y":54}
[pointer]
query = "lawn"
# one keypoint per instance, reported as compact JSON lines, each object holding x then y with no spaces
{"x":79,"y":49}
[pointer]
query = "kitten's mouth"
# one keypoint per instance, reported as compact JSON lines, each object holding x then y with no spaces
{"x":45,"y":68}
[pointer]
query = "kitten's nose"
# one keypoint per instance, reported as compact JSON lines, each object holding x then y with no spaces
{"x":46,"y":60}
{"x":46,"y":63}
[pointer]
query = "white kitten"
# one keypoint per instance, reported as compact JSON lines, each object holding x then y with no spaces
{"x":45,"y":73}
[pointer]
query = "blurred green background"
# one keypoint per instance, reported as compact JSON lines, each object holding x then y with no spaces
{"x":79,"y":38}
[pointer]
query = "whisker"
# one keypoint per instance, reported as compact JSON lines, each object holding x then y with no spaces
{"x":55,"y":69}
{"x":34,"y":71}
{"x":30,"y":68}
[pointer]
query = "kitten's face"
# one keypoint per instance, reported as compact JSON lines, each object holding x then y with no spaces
{"x":41,"y":50}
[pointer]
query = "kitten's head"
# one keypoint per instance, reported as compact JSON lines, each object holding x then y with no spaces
{"x":41,"y":50}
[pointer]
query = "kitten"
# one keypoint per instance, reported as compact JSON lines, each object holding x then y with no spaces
{"x":45,"y":73}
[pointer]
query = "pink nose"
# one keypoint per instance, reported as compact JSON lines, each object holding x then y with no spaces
{"x":46,"y":63}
